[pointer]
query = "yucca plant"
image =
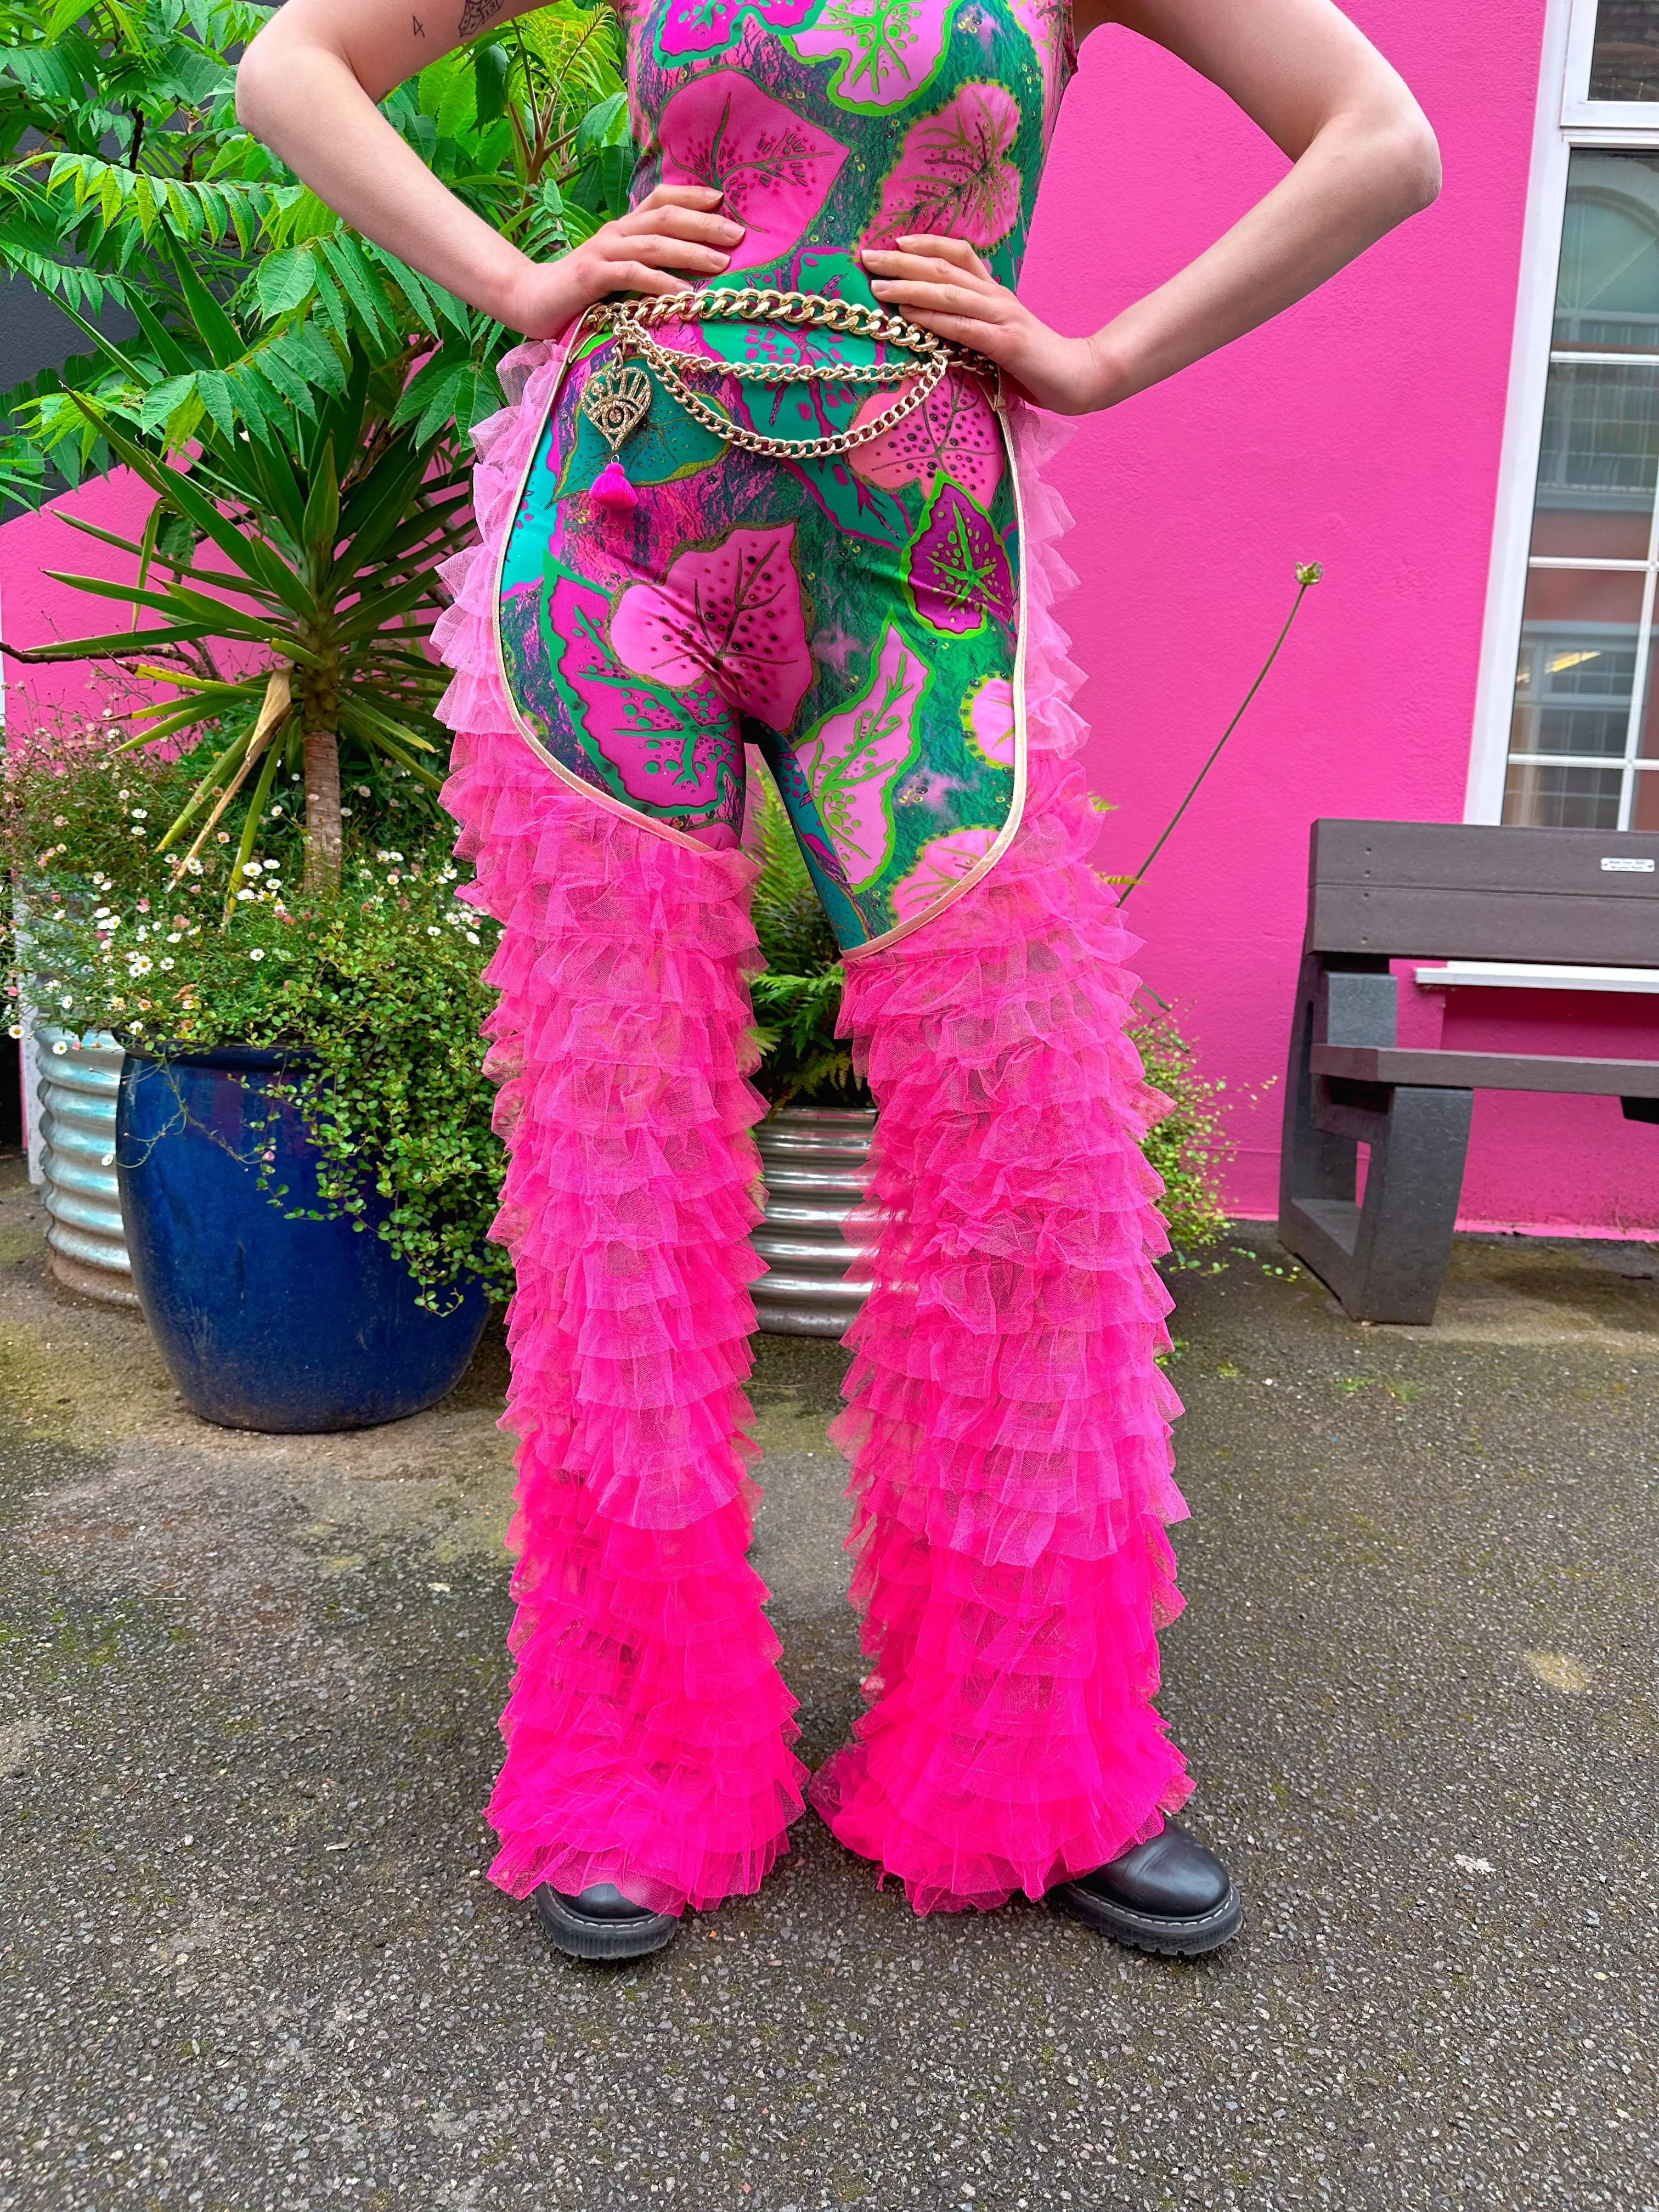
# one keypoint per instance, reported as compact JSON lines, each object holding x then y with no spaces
{"x":328,"y":574}
{"x":322,"y":390}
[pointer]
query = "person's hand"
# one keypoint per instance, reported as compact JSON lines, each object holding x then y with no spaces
{"x":942,"y":285}
{"x":671,"y":241}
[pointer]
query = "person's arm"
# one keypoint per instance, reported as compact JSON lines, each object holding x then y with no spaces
{"x":308,"y":87}
{"x":1365,"y":159}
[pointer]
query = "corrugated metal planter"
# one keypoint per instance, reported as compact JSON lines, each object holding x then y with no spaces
{"x":815,"y":1159}
{"x":86,"y":1245}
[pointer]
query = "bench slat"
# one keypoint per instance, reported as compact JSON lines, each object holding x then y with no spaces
{"x":1487,"y":1071}
{"x":1446,"y":889}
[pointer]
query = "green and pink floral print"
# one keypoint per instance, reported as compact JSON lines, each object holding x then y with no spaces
{"x":857,"y":618}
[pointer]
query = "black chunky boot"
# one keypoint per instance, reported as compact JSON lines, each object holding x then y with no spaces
{"x":1169,"y":1895}
{"x":602,"y":1923}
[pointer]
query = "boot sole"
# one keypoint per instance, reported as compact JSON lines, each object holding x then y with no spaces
{"x":1171,"y":1936}
{"x":580,"y":1936}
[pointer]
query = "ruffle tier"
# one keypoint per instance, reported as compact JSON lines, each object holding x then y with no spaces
{"x":1007,"y":1423}
{"x":648,"y":1730}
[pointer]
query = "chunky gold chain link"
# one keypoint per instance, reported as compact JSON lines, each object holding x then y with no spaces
{"x":714,"y":418}
{"x":633,"y":324}
{"x":780,"y":372}
{"x":803,"y":310}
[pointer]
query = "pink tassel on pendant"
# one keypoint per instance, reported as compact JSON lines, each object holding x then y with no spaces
{"x":611,"y":487}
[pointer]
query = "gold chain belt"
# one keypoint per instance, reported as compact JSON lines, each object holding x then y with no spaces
{"x":617,"y":397}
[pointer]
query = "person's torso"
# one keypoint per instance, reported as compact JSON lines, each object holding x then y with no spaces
{"x":830,"y":125}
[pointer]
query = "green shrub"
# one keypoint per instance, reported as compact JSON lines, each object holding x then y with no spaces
{"x":381,"y":975}
{"x":1187,"y":1147}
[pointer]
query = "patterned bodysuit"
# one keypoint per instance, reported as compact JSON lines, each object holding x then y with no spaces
{"x":858,"y":617}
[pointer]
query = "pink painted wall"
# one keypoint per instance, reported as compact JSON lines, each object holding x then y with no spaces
{"x":34,"y":612}
{"x":1361,"y":430}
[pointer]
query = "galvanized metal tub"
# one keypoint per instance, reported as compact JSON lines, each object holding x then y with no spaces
{"x":815,"y":1160}
{"x":86,"y":1244}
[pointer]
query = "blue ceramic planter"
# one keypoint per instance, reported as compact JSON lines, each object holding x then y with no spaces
{"x":289,"y":1326}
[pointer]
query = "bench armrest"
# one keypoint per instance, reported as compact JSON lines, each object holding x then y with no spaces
{"x":1487,"y":1071}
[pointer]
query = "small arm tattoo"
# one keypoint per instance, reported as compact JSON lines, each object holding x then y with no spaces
{"x":420,"y":28}
{"x":474,"y":14}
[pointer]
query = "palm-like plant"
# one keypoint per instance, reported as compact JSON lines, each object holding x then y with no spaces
{"x":322,"y":391}
{"x":329,"y":575}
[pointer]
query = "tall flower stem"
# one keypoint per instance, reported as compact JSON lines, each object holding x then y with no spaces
{"x":1307,"y":575}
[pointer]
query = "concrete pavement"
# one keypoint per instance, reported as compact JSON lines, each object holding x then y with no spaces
{"x":247,"y":1697}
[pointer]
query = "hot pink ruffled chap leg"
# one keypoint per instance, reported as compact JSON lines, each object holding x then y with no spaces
{"x":1008,"y":1425}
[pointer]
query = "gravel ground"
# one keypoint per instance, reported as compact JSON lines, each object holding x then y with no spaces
{"x":248,"y":1701}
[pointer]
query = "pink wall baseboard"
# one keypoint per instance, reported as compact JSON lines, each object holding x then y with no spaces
{"x":1563,"y":1231}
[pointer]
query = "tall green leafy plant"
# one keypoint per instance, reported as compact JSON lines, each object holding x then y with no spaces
{"x":121,"y":157}
{"x":318,"y":391}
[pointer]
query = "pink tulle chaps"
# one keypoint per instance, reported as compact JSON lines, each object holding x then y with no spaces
{"x":1007,"y":1423}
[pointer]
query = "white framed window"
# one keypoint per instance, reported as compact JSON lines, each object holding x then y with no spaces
{"x":1567,"y":728}
{"x":1613,"y":66}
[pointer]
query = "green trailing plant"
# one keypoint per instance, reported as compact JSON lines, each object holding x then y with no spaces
{"x":380,"y":977}
{"x":1187,"y":1146}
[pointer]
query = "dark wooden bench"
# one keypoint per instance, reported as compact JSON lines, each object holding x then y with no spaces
{"x":1399,"y":891}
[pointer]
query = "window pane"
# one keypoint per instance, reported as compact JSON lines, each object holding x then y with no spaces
{"x":1625,"y":65}
{"x":1572,"y":685}
{"x":1647,"y":737}
{"x":1598,"y":462}
{"x":1606,"y":293}
{"x":1562,"y":798}
{"x":1644,"y":808}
